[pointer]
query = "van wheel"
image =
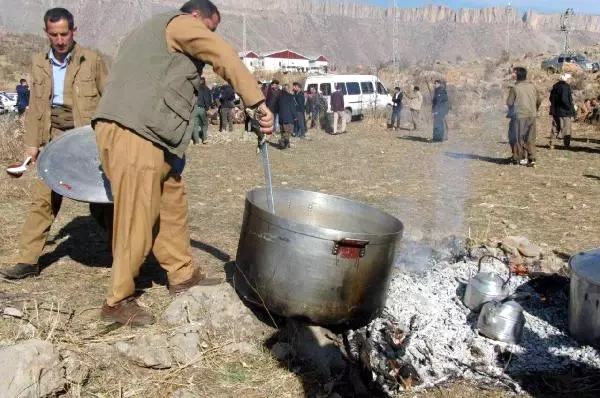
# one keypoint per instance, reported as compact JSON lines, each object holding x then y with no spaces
{"x":348,"y":114}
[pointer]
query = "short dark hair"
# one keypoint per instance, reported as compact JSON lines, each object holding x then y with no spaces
{"x":437,"y":81}
{"x":339,"y":86}
{"x":56,"y":14}
{"x":296,"y":84}
{"x":204,"y":7}
{"x":521,"y":73}
{"x":397,"y":88}
{"x":417,"y":88}
{"x":275,"y":81}
{"x":23,"y":81}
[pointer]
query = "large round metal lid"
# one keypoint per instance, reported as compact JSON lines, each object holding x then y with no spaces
{"x":70,"y":166}
{"x":587,"y":265}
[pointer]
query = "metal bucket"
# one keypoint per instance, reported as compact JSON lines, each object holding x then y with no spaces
{"x":321,"y":257}
{"x":584,"y":297}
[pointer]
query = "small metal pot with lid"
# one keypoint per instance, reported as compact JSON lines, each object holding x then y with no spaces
{"x":485,"y":286}
{"x":502,"y":320}
{"x":584,"y":297}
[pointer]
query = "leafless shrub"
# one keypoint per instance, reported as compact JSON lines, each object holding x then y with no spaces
{"x":11,"y":138}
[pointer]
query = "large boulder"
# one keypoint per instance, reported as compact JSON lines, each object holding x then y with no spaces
{"x":217,"y":309}
{"x":31,"y":368}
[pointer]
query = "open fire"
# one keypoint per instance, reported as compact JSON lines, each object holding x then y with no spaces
{"x":427,"y":336}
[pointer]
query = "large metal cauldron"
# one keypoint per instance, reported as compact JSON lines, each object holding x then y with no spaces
{"x":320,"y":257}
{"x":584,"y":297}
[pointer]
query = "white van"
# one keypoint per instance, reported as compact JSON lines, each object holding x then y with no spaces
{"x":361,"y":92}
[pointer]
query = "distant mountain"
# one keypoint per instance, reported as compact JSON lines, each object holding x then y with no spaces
{"x":348,"y":33}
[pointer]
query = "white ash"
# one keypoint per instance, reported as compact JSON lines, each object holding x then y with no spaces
{"x":441,"y":340}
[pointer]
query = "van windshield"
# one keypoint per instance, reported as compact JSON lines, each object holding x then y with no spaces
{"x":381,"y":89}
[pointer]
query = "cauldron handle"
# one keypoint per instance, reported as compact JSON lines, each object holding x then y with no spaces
{"x":489,"y":255}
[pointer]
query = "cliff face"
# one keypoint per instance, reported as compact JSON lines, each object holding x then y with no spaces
{"x":348,"y":33}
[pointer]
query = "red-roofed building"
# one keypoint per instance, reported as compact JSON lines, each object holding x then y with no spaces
{"x":284,"y":61}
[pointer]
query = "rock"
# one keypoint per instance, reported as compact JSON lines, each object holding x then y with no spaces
{"x":216,"y":309}
{"x":12,"y":312}
{"x":184,"y":346}
{"x":31,"y":369}
{"x":519,"y":244}
{"x":147,"y":351}
{"x":569,"y":196}
{"x":77,"y":371}
{"x":281,"y":351}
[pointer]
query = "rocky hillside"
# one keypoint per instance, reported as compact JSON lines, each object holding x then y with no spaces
{"x":349,"y":33}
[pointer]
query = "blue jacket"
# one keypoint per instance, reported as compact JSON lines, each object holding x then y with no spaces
{"x":22,"y":97}
{"x":286,"y":108}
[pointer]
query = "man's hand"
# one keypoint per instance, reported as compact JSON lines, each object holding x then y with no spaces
{"x":31,"y":151}
{"x":265,"y":119}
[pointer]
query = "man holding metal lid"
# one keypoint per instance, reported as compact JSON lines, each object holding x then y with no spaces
{"x":67,"y":84}
{"x":143,"y":130}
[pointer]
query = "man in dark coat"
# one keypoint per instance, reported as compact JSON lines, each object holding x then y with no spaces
{"x":439,"y":109}
{"x":396,"y":108}
{"x":271,"y":100}
{"x":200,"y":131}
{"x":286,"y":112}
{"x":338,"y":107}
{"x":227,"y":98}
{"x":22,"y":96}
{"x":300,"y":103}
{"x":561,"y":110}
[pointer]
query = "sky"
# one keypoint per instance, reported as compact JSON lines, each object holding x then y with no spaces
{"x":581,"y":6}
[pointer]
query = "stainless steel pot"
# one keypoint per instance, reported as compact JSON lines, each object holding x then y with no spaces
{"x":485,"y":286}
{"x":502,"y":320}
{"x":584,"y":298}
{"x":320,"y":257}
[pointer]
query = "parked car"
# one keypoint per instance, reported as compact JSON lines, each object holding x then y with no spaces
{"x":361,"y":92}
{"x":556,"y":64}
{"x":8,"y":101}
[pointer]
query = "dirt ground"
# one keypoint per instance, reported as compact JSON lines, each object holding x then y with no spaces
{"x":462,"y":187}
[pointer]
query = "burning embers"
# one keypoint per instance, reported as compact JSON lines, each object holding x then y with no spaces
{"x":427,"y":336}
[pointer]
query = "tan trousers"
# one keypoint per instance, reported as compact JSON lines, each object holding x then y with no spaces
{"x":45,"y":205}
{"x":44,"y":208}
{"x":150,"y":210}
{"x":560,"y":125}
{"x":526,"y":134}
{"x":341,"y":115}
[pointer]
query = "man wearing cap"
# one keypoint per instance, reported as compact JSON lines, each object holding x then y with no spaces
{"x":143,"y":130}
{"x":562,"y":110}
{"x":68,"y":82}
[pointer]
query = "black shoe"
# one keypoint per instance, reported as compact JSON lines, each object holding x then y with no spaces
{"x":567,"y":141}
{"x":531,"y":163}
{"x":20,"y":271}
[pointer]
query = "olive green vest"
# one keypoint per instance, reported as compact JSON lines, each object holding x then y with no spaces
{"x":151,"y":90}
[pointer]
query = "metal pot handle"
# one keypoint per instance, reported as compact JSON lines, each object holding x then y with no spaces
{"x":358,"y":244}
{"x":489,"y":255}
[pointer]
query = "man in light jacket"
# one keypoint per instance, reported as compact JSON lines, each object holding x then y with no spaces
{"x":415,"y":102}
{"x":523,"y":103}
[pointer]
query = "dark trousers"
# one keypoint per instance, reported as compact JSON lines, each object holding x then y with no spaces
{"x":396,"y":113}
{"x":300,"y":125}
{"x":440,"y":129}
{"x":226,"y":119}
{"x":200,"y":131}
